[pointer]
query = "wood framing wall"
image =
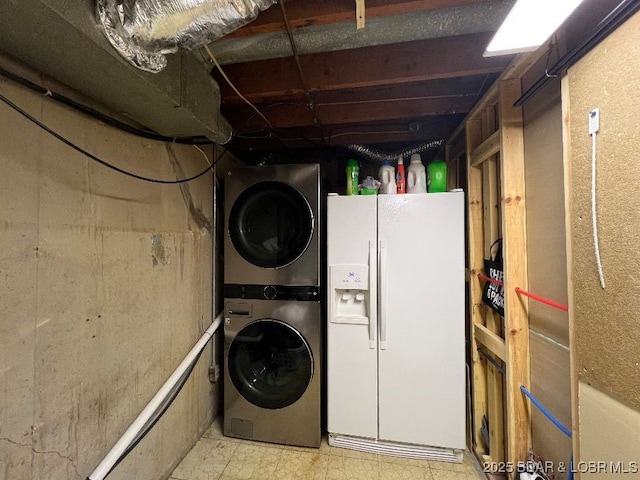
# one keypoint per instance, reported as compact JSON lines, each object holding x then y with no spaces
{"x":510,"y":154}
{"x":581,"y":365}
{"x":499,"y":347}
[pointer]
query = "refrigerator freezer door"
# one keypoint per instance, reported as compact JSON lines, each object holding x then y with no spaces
{"x":422,"y":369}
{"x":351,"y":362}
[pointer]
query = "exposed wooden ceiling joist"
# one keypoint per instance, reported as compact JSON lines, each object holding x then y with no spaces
{"x":408,"y":91}
{"x":326,"y":12}
{"x":440,"y":58}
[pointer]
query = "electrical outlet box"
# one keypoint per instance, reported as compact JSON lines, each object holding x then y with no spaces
{"x":594,"y":121}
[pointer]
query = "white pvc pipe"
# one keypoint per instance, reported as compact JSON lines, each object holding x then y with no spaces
{"x":104,"y":468}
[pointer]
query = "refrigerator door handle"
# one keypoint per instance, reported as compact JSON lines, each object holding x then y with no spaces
{"x":373,"y":320}
{"x":382,"y":282}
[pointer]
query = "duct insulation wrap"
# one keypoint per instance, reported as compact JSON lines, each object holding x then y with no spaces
{"x":144,"y":31}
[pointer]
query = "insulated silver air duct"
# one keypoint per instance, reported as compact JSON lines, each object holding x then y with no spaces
{"x":374,"y":154}
{"x":144,"y":31}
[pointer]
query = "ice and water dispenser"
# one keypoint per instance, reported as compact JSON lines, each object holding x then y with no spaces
{"x":351,"y":298}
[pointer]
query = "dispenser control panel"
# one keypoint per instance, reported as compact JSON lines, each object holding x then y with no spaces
{"x":350,"y":297}
{"x":350,"y":277}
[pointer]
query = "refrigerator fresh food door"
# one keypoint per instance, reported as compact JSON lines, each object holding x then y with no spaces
{"x":351,"y":341}
{"x":422,"y":360}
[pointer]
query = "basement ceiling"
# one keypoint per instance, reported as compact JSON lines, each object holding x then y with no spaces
{"x":406,"y":79}
{"x":409,"y":76}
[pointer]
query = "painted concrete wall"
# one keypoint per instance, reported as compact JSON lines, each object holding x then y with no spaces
{"x":105,"y":285}
{"x":605,"y":321}
{"x":547,"y":269}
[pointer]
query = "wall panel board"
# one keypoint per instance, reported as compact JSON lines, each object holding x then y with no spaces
{"x":607,"y":331}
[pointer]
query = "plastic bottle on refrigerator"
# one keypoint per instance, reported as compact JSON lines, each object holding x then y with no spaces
{"x":416,"y":175}
{"x":387,"y":177}
{"x":437,"y":176}
{"x":353,"y":175}
{"x":400,"y":176}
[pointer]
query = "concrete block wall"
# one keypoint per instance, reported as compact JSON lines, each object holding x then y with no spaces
{"x":105,"y":286}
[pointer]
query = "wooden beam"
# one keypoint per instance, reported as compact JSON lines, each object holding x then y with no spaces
{"x":360,"y":14}
{"x":568,"y":208}
{"x":305,"y":13}
{"x":383,"y":65}
{"x":495,"y":398}
{"x":289,"y":114}
{"x":476,"y":264}
{"x":467,"y":86}
{"x":490,"y":174}
{"x":518,"y":66}
{"x":486,"y":149}
{"x":516,"y":69}
{"x":455,"y":156}
{"x":455,"y":152}
{"x":524,"y":62}
{"x":396,"y":132}
{"x":494,"y":343}
{"x":515,"y":271}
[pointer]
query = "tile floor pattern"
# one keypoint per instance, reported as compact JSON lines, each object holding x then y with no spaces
{"x":216,"y":457}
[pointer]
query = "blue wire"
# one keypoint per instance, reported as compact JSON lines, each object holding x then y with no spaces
{"x":555,"y":421}
{"x":546,"y":412}
{"x":535,"y":401}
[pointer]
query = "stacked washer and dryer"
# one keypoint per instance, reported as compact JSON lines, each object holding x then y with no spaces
{"x":273,"y":315}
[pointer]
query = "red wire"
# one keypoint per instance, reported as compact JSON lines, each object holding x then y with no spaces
{"x":491,"y":280}
{"x":546,"y":301}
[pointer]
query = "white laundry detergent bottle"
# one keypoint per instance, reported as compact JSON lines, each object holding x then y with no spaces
{"x":387,"y":177}
{"x":416,"y":175}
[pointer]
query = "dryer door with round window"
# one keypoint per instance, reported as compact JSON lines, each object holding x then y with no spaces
{"x":272,"y":226}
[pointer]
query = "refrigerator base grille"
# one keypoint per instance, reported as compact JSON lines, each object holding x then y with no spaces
{"x":396,"y":449}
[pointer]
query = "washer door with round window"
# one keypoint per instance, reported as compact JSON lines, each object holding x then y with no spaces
{"x":272,"y":225}
{"x":270,"y":364}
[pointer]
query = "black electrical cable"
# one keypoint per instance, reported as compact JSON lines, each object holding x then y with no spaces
{"x":101,"y":116}
{"x":98,"y":160}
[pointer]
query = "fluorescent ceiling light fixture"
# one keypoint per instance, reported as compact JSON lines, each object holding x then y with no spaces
{"x":529,"y":24}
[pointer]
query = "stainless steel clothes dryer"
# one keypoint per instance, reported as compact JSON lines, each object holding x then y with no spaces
{"x":272,"y":381}
{"x":272,"y":225}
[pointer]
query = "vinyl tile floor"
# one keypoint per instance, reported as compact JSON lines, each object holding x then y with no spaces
{"x":216,"y":457}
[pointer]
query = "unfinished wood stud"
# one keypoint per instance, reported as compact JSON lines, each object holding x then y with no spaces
{"x":359,"y":14}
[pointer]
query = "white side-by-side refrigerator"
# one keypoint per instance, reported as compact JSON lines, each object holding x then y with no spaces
{"x":396,"y":327}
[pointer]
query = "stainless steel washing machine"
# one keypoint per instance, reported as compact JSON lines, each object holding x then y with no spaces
{"x":272,"y":225}
{"x":272,"y":381}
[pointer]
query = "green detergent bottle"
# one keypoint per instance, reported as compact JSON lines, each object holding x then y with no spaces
{"x":437,"y":176}
{"x":353,"y":174}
